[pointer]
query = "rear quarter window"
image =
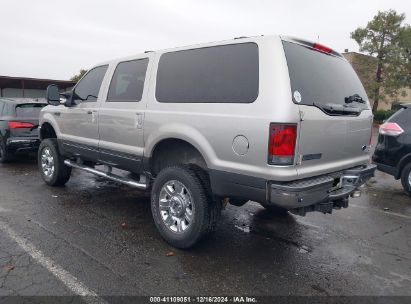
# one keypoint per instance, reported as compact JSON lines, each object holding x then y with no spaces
{"x":218,"y":74}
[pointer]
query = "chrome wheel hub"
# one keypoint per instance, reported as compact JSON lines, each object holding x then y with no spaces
{"x":47,"y":162}
{"x":409,"y":179}
{"x":176,"y":206}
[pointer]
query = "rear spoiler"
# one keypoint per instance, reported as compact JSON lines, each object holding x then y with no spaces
{"x":405,"y":105}
{"x":312,"y":45}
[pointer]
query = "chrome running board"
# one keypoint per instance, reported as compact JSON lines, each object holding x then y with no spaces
{"x":108,"y":175}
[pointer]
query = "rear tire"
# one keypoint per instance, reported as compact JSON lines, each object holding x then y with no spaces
{"x":406,"y":179}
{"x":182,"y":208}
{"x":5,"y":156}
{"x":51,"y":163}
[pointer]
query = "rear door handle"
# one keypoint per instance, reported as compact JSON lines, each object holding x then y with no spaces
{"x":57,"y":113}
{"x":89,"y":112}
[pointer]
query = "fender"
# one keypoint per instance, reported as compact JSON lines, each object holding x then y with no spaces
{"x":47,"y":117}
{"x":401,"y":164}
{"x":182,"y":132}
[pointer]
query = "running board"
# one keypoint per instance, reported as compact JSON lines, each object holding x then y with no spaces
{"x":116,"y":178}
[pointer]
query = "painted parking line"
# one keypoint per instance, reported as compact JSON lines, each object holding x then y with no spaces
{"x":70,"y":281}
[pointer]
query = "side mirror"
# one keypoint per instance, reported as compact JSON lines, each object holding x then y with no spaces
{"x":53,"y":95}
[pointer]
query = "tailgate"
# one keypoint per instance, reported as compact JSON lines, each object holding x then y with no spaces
{"x":331,"y":143}
{"x":27,"y":114}
{"x":336,"y":118}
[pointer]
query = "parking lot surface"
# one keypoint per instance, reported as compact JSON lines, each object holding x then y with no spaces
{"x":95,"y":237}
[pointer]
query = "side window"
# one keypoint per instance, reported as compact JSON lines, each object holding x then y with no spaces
{"x":1,"y":108}
{"x":88,"y":88}
{"x":127,"y":83}
{"x":218,"y":74}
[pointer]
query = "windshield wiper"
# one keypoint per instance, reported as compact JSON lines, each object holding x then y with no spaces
{"x":354,"y":98}
{"x":338,"y":109}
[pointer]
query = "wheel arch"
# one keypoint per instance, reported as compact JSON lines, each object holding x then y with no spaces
{"x":402,"y":163}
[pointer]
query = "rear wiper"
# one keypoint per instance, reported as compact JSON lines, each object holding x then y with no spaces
{"x":354,"y":98}
{"x":338,"y":109}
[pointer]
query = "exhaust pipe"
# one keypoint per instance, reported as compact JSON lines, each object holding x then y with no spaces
{"x":108,"y":175}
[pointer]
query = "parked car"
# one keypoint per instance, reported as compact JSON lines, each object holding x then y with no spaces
{"x":393,"y":151}
{"x":19,"y":120}
{"x":280,"y":121}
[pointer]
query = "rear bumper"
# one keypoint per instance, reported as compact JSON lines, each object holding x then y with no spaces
{"x":22,"y":144}
{"x":319,"y":193}
{"x":324,"y":189}
{"x":387,"y":169}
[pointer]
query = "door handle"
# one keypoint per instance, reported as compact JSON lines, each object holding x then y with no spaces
{"x":90,"y":112}
{"x":139,"y":121}
{"x":56,"y":113}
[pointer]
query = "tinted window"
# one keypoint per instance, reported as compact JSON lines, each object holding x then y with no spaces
{"x":88,"y":88}
{"x":221,"y":74}
{"x":321,"y":78}
{"x":127,"y":83}
{"x":29,"y":110}
{"x":402,"y":117}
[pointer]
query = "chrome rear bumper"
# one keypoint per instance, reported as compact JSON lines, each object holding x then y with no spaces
{"x":325,"y":189}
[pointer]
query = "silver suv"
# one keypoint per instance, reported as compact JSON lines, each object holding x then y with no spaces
{"x":277,"y":120}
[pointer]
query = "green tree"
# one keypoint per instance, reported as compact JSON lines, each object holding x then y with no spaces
{"x":385,"y":38}
{"x":78,"y":76}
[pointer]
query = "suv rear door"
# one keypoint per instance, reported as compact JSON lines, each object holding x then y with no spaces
{"x":336,"y":119}
{"x":121,"y":115}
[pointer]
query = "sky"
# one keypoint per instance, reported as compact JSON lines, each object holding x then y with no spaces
{"x":55,"y":39}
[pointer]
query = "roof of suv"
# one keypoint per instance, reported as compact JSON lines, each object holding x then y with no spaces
{"x":227,"y":41}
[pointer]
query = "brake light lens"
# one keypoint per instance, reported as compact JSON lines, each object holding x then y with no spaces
{"x":391,"y":129}
{"x":281,"y":145}
{"x":20,"y":125}
{"x":322,"y":48}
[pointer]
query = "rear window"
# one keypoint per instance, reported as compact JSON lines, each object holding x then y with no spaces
{"x":219,"y":74}
{"x":402,"y":117}
{"x":321,"y":78}
{"x":29,"y":110}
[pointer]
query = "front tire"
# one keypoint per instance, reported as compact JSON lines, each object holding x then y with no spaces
{"x":406,"y":179}
{"x":51,"y":164}
{"x":183,"y":210}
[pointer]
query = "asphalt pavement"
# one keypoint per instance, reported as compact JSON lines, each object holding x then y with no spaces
{"x":96,"y":237}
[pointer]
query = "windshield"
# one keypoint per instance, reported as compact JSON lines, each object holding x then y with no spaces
{"x":29,"y":110}
{"x":320,"y":79}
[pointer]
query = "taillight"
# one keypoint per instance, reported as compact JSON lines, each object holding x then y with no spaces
{"x":19,"y":125}
{"x":281,"y":145}
{"x":322,"y":48}
{"x":391,"y":129}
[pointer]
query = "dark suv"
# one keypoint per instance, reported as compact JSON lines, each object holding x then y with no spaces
{"x":19,"y":120}
{"x":393,"y":151}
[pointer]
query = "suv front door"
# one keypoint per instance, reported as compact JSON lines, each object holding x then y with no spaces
{"x":79,"y":122}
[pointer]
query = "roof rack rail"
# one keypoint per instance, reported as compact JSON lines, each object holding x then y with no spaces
{"x":241,"y":37}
